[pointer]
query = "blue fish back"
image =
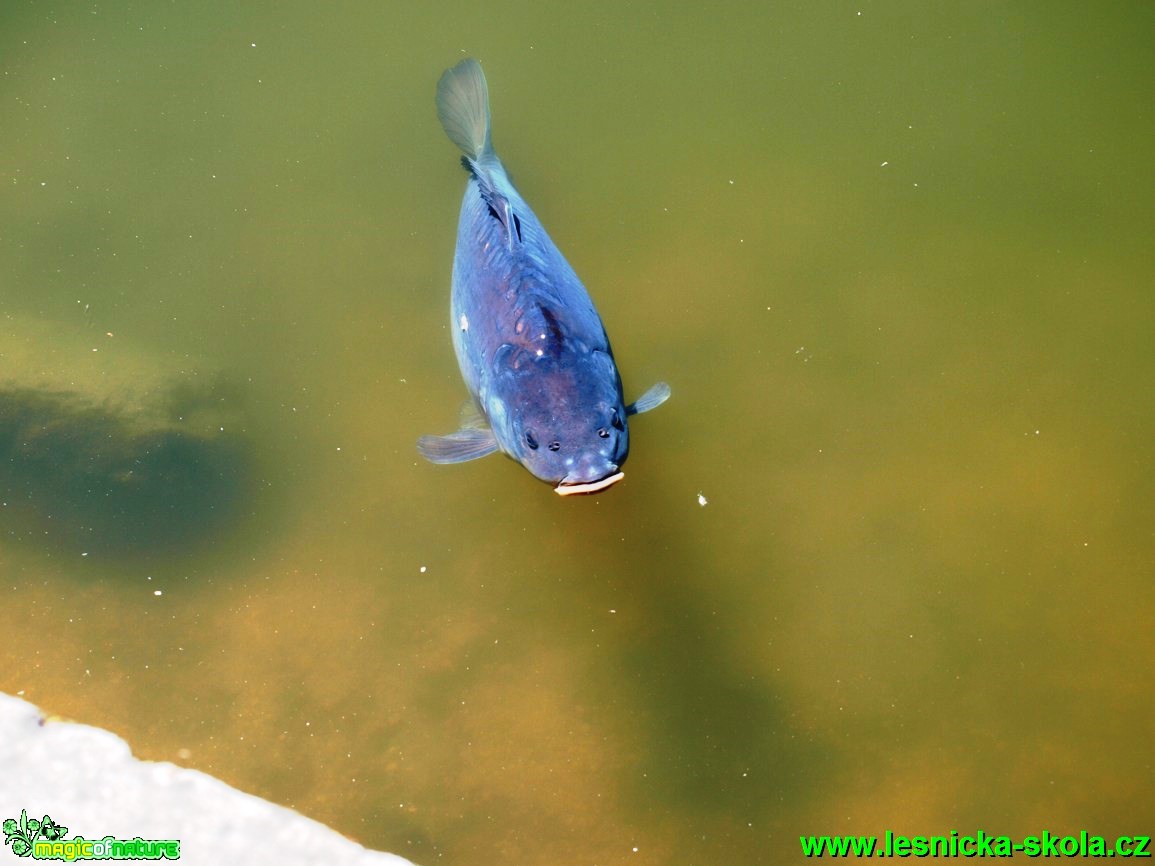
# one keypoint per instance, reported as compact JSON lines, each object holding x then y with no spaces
{"x":532,"y":349}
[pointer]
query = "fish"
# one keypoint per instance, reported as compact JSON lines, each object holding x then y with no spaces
{"x":544,"y":387}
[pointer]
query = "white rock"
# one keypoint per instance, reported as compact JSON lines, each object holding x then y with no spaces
{"x":87,"y":780}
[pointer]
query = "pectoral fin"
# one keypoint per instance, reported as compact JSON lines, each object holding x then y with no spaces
{"x":652,"y":399}
{"x":469,"y":443}
{"x":470,"y":417}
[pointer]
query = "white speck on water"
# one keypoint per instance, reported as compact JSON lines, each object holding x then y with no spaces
{"x":702,"y":500}
{"x":464,"y":323}
{"x":885,"y":163}
{"x":158,"y":592}
{"x":422,"y":569}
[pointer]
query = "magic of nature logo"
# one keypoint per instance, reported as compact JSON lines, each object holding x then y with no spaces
{"x":44,"y":840}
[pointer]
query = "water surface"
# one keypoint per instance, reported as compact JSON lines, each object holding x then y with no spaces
{"x":895,"y":263}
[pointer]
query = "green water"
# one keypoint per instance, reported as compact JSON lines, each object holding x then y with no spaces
{"x":895,"y":262}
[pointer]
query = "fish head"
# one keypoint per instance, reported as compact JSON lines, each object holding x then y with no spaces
{"x":566,"y":422}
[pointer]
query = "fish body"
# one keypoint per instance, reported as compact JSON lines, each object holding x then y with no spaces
{"x":531,"y":346}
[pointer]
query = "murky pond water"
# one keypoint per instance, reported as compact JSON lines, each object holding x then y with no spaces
{"x":884,"y":561}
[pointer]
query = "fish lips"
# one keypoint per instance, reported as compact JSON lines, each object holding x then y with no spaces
{"x":565,"y":488}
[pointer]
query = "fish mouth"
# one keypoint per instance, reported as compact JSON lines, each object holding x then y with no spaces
{"x":564,"y":489}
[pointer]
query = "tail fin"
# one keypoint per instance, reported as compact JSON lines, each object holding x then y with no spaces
{"x":463,"y":108}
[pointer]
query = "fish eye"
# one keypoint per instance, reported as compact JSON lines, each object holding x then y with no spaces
{"x":603,"y":432}
{"x":530,"y":439}
{"x":616,"y":420}
{"x":554,"y":445}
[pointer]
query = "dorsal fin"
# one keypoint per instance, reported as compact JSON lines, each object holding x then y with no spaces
{"x":500,"y":208}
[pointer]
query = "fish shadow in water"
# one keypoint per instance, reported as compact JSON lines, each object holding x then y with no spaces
{"x":720,"y":737}
{"x":77,"y":476}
